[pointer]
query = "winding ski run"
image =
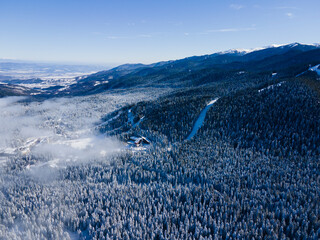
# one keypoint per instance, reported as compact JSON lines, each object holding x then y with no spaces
{"x":200,"y":119}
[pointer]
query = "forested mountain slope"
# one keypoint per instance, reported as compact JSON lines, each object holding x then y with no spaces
{"x":250,"y":170}
{"x":14,"y":90}
{"x":288,"y":60}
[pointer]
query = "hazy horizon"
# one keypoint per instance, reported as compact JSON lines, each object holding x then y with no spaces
{"x":115,"y":64}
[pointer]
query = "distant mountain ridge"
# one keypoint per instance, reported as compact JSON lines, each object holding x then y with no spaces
{"x":288,"y":60}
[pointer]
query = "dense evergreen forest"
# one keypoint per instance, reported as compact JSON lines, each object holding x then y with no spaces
{"x":251,"y":171}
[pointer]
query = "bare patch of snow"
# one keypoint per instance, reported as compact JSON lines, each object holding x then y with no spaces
{"x":271,"y":86}
{"x":312,"y":69}
{"x":212,"y":101}
{"x":130,"y":117}
{"x":315,"y":69}
{"x":100,"y":82}
{"x":80,"y":144}
{"x":239,"y":51}
{"x":7,"y":151}
{"x":201,"y":118}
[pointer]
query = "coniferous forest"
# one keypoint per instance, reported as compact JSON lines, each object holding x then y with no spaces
{"x":116,"y":159}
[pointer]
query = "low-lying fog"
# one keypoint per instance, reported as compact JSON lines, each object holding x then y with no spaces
{"x":54,"y":133}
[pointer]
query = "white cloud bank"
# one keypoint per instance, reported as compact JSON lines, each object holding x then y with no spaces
{"x":53,"y":133}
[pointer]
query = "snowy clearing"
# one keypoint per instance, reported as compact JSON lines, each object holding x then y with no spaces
{"x":130,"y":117}
{"x":315,"y":69}
{"x":201,"y":118}
{"x":271,"y":86}
{"x":312,"y":69}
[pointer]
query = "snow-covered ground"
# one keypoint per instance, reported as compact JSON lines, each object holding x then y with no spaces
{"x":45,"y":71}
{"x":60,"y":131}
{"x":271,"y":86}
{"x":62,"y":80}
{"x":312,"y":69}
{"x":201,"y":118}
{"x":41,"y":75}
{"x":244,"y":51}
{"x":100,"y":82}
{"x":315,"y":69}
{"x":131,"y":119}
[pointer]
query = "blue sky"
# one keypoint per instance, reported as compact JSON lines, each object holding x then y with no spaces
{"x":121,"y":31}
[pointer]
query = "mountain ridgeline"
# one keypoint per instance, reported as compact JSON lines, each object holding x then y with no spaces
{"x":233,"y":149}
{"x":287,"y":61}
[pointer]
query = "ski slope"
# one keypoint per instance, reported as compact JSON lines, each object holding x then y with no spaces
{"x":315,"y":69}
{"x":200,"y":119}
{"x":312,"y":69}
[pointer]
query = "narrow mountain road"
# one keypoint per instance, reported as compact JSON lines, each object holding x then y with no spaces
{"x":200,"y":119}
